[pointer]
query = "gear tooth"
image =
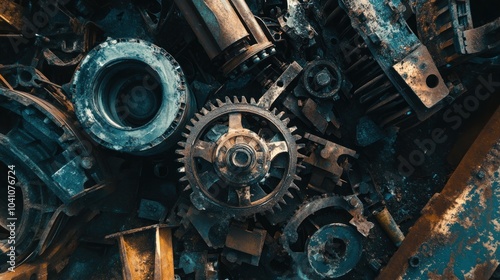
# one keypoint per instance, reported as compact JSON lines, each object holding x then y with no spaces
{"x":193,"y":121}
{"x":189,"y":127}
{"x":282,"y":201}
{"x":219,"y":102}
{"x":301,"y":155}
{"x":228,"y":100}
{"x":212,"y":106}
{"x":244,"y":99}
{"x":187,"y":188}
{"x":185,"y":135}
{"x":274,"y":111}
{"x":294,"y":186}
{"x":235,"y":100}
{"x":252,"y":101}
{"x":179,"y":152}
{"x":289,"y":194}
{"x":198,"y":116}
{"x":286,"y":122}
{"x":182,"y":144}
{"x":278,"y":207}
{"x":281,"y":114}
{"x":296,"y":177}
{"x":271,"y":211}
{"x":301,"y":166}
{"x":181,"y":169}
{"x":204,"y":111}
{"x":183,"y":179}
{"x":292,"y":130}
{"x":301,"y":146}
{"x":180,"y":160}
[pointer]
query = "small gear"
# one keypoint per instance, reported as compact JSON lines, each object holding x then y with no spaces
{"x":239,"y":158}
{"x":330,"y":250}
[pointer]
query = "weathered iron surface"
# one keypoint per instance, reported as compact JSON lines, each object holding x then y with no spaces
{"x":146,"y":253}
{"x":458,"y":234}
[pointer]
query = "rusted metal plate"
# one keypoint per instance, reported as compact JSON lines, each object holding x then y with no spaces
{"x":280,"y":85}
{"x":11,"y":13}
{"x":146,"y":253}
{"x":422,"y":76}
{"x":461,"y":221}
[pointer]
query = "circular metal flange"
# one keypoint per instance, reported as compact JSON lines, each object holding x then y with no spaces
{"x":334,"y":250}
{"x":322,"y":79}
{"x":131,"y":96}
{"x":239,"y":158}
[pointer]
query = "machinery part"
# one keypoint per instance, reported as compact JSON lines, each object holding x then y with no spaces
{"x":11,"y":13}
{"x":439,"y":243}
{"x":239,"y":158}
{"x":446,"y":28}
{"x":394,"y":45}
{"x":323,"y":79}
{"x":44,"y":140}
{"x":229,"y":33}
{"x":390,"y":226}
{"x":334,"y":250}
{"x":370,"y":53}
{"x":211,"y":227}
{"x":131,"y":96}
{"x":296,"y":25}
{"x":26,"y":78}
{"x":326,"y":157}
{"x":146,"y":253}
{"x":318,"y":252}
{"x":30,"y":218}
{"x":244,"y":246}
{"x":51,"y":162}
{"x":276,"y":89}
{"x":56,"y":256}
{"x":152,"y":210}
{"x":436,"y":23}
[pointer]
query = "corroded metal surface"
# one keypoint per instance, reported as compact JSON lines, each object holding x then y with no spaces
{"x":460,"y":222}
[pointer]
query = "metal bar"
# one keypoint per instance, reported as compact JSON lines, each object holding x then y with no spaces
{"x":459,"y":231}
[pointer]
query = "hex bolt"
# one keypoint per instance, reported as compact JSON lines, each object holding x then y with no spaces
{"x":87,"y":163}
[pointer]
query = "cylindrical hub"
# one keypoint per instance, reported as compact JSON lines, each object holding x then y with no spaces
{"x":131,"y":96}
{"x":228,"y":31}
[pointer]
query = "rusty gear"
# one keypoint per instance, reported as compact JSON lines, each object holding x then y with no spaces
{"x":239,"y":158}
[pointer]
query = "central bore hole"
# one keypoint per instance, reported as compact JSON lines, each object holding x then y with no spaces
{"x":335,"y":249}
{"x":129,"y":93}
{"x":241,"y":158}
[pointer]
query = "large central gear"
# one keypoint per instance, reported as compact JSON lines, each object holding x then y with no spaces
{"x":239,"y":158}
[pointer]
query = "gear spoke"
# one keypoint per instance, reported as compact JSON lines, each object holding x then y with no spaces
{"x":276,"y":148}
{"x":204,"y":150}
{"x":235,"y":121}
{"x":244,"y":196}
{"x":208,"y":179}
{"x":257,"y":192}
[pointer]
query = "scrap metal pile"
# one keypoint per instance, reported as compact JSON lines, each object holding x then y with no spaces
{"x":232,"y":139}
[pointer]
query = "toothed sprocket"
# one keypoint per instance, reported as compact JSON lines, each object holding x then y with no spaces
{"x":239,"y":158}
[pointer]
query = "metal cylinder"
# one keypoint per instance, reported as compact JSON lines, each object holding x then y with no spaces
{"x":390,"y":226}
{"x":131,"y":96}
{"x":228,"y":31}
{"x":215,"y":23}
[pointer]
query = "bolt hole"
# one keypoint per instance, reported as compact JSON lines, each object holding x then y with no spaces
{"x":280,"y":83}
{"x":432,"y":81}
{"x":26,"y":76}
{"x":414,"y":261}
